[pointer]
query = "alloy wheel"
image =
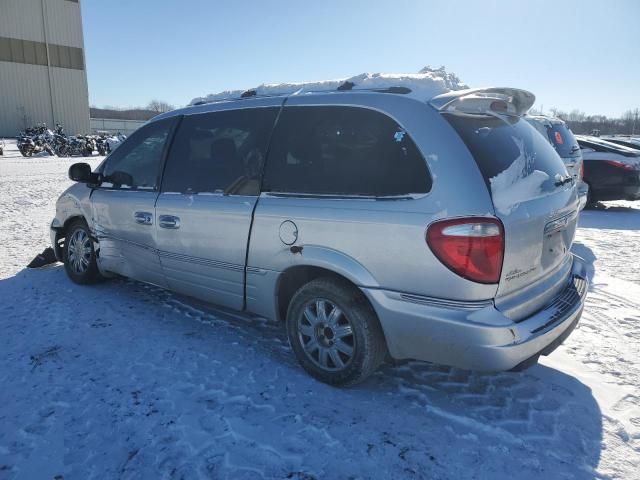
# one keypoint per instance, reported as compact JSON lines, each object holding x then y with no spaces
{"x":79,"y":251}
{"x":326,"y":335}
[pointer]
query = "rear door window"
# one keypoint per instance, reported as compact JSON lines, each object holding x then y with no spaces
{"x":336,"y":150}
{"x":220,"y":152}
{"x":498,"y":143}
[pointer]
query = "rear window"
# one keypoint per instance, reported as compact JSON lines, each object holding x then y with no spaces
{"x":562,"y":138}
{"x":343,"y":151}
{"x":497,"y":143}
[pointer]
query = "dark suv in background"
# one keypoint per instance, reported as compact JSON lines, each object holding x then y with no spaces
{"x":611,"y":170}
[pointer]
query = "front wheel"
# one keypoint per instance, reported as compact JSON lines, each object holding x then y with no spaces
{"x":334,"y":332}
{"x":79,"y":255}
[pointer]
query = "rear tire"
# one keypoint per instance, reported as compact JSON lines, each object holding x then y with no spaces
{"x":334,"y":332}
{"x":79,"y":255}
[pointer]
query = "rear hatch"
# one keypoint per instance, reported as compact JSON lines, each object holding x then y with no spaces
{"x":535,"y":198}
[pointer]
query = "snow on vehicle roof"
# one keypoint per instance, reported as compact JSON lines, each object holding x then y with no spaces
{"x":424,"y":85}
{"x":546,"y":118}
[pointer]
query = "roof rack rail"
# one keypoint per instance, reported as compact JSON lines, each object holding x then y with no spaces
{"x":400,"y":90}
{"x":344,"y":87}
{"x":348,"y":86}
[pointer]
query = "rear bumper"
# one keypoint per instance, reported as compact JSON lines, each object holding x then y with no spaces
{"x":623,"y":185}
{"x":583,"y":192}
{"x":476,"y":336}
{"x":631,"y":192}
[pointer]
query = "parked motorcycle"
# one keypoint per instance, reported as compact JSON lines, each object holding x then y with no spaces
{"x":102,"y":145}
{"x":30,"y":146}
{"x":39,"y":138}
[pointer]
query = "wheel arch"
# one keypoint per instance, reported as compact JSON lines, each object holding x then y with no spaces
{"x":61,"y":233}
{"x":293,"y":278}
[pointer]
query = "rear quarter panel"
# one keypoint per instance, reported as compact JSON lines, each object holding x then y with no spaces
{"x":374,"y":243}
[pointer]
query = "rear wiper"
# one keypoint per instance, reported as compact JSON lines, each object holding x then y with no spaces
{"x":564,"y":180}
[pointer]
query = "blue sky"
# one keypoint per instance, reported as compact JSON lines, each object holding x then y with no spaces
{"x":572,"y":54}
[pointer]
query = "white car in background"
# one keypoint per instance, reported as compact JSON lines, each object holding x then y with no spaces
{"x":558,"y":133}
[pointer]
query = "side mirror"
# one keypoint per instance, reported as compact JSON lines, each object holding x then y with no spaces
{"x":81,"y":172}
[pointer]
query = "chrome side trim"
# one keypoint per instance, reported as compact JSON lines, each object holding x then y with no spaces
{"x":256,"y":271}
{"x":200,"y":261}
{"x":180,"y":257}
{"x":101,"y":235}
{"x":445,"y":303}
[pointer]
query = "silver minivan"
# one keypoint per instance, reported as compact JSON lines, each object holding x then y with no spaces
{"x":374,"y":224}
{"x":561,"y":137}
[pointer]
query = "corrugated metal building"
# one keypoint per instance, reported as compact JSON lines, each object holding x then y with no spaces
{"x":42,"y":66}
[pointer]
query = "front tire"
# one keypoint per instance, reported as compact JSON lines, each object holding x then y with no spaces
{"x":79,"y":255}
{"x":334,"y":332}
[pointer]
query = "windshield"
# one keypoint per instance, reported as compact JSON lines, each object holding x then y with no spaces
{"x":501,"y":144}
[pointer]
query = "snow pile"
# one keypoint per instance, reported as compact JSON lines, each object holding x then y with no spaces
{"x":512,"y":186}
{"x":424,"y":85}
{"x":451,"y":80}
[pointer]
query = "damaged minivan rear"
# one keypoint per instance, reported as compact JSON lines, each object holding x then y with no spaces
{"x":521,"y":248}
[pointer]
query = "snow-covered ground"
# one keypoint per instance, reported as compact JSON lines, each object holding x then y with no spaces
{"x":122,"y":380}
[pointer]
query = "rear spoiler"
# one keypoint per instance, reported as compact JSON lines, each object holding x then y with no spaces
{"x":474,"y":100}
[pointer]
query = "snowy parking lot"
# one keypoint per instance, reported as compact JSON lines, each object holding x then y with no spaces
{"x":123,"y":380}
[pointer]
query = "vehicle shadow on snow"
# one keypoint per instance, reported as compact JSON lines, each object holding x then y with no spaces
{"x":549,"y":415}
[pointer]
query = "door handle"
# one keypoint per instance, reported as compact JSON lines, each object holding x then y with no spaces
{"x":143,"y":218}
{"x":168,"y":221}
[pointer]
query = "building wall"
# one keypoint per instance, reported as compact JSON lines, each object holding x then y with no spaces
{"x":29,"y":93}
{"x":111,"y":125}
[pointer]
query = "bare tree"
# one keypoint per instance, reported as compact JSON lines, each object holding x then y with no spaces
{"x":24,"y":118}
{"x":576,"y":116}
{"x":159,"y":106}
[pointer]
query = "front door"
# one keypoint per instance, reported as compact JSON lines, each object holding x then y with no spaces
{"x":123,"y":205}
{"x":209,"y":190}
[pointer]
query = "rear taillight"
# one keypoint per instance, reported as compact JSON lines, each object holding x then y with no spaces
{"x":622,"y":165}
{"x":471,"y":247}
{"x":582,"y":170}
